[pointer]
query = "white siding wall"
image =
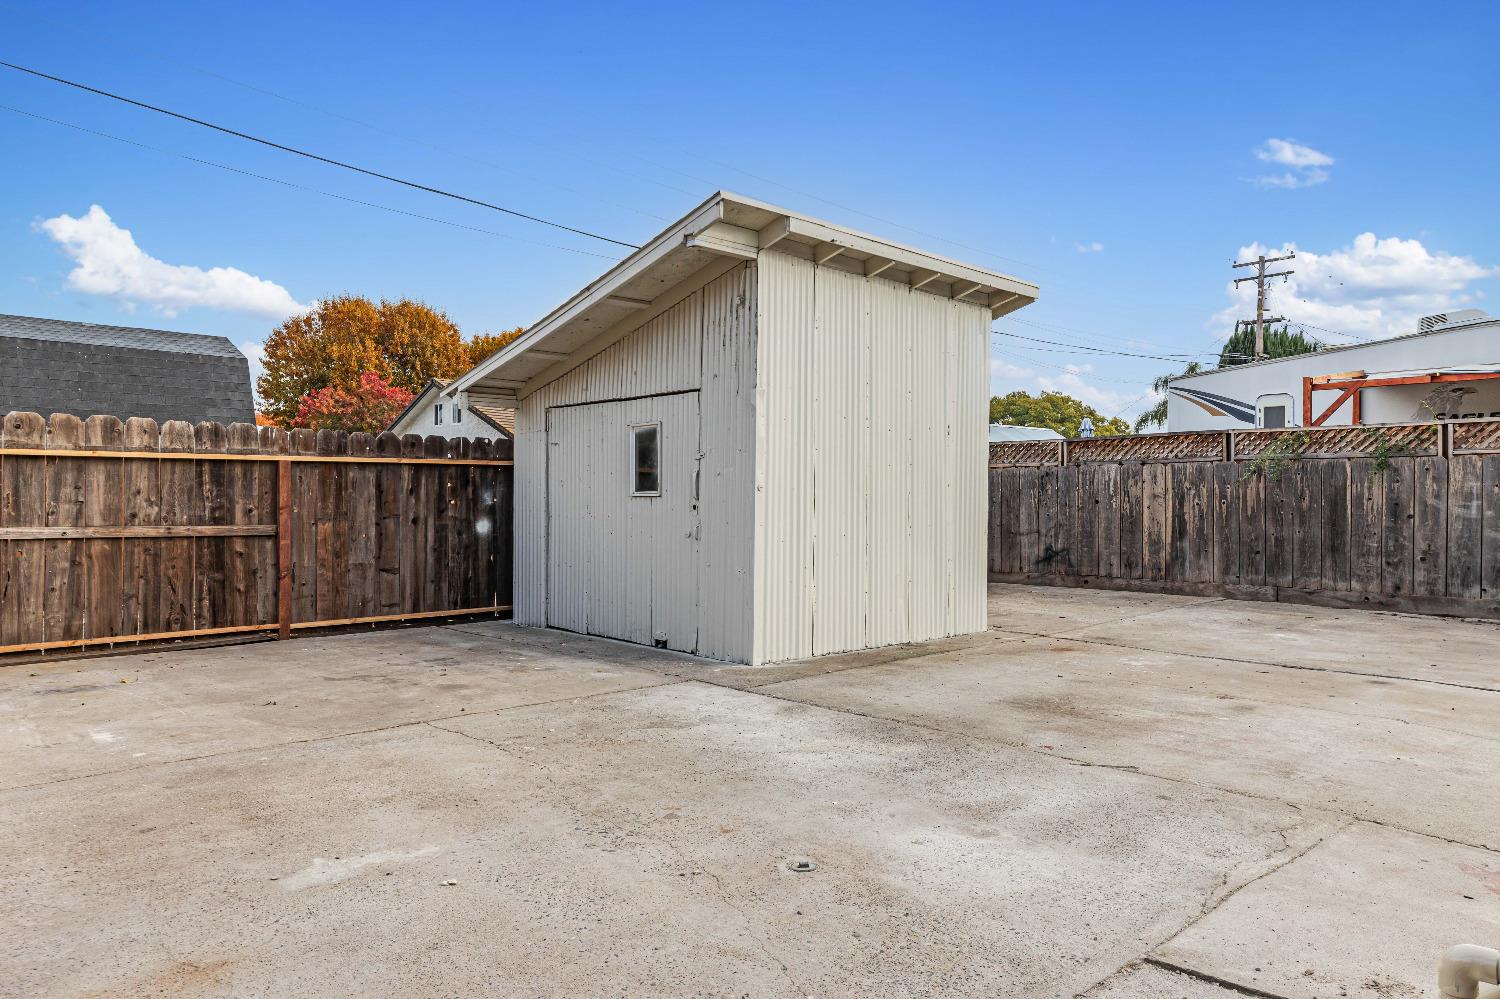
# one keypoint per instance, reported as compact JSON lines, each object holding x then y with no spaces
{"x":871,"y":423}
{"x":420,"y":421}
{"x":705,"y":342}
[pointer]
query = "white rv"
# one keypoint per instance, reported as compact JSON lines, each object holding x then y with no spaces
{"x":1448,"y":370}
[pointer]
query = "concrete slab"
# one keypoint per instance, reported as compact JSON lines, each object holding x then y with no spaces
{"x":1055,"y":610}
{"x":629,"y":843}
{"x":1000,"y":814}
{"x":1438,"y":650}
{"x":1391,"y":751}
{"x":97,"y":715}
{"x":1366,"y":913}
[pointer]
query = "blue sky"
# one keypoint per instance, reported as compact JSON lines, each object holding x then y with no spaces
{"x":1120,"y":156}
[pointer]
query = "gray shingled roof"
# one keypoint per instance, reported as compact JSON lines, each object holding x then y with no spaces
{"x":54,"y":366}
{"x":62,"y":330}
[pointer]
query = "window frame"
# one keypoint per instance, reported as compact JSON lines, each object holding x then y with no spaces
{"x":632,"y":436}
{"x":437,"y":415}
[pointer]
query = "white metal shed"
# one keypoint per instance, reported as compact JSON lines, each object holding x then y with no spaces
{"x":760,"y":437}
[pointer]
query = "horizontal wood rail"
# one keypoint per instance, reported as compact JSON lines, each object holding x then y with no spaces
{"x":37,"y":452}
{"x":77,"y":643}
{"x":94,"y":533}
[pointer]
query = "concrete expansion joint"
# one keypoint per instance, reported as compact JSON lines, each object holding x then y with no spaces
{"x":1223,"y":983}
{"x":1075,"y":636}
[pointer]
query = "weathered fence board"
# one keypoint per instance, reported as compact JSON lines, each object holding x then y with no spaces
{"x":1405,"y":531}
{"x":116,"y":532}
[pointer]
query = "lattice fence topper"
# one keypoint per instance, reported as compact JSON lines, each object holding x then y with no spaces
{"x":1471,"y":436}
{"x":1148,"y":447}
{"x":1417,"y":439}
{"x":1003,"y":453}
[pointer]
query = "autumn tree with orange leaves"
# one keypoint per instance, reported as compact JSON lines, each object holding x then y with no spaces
{"x":482,"y":345}
{"x":403,"y":343}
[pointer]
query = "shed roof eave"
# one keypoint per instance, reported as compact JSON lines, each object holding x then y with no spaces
{"x":723,"y":226}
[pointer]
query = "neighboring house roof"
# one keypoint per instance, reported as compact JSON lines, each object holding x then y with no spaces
{"x":86,"y":369}
{"x":500,"y":419}
{"x":723,"y":229}
{"x":1008,"y":432}
{"x":503,"y":420}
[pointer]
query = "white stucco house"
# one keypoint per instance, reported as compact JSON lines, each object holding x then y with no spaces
{"x":759,"y":437}
{"x":435,"y":413}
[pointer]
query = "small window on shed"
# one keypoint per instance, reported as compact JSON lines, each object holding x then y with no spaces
{"x":645,"y":454}
{"x":437,"y":414}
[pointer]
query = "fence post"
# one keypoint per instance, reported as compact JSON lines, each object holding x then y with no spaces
{"x":284,"y":548}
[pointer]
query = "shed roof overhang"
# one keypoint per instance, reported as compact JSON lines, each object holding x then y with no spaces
{"x":719,"y":233}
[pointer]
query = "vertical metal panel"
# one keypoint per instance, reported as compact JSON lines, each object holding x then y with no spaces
{"x":871,"y":498}
{"x":891,"y":463}
{"x":969,"y":330}
{"x":931,"y":465}
{"x":785,"y":598}
{"x":727,"y":473}
{"x":530,"y":524}
{"x":839,"y":433}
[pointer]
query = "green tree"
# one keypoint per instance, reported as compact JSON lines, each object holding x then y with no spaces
{"x":1157,"y":414}
{"x":1053,"y":410}
{"x":1240,"y":348}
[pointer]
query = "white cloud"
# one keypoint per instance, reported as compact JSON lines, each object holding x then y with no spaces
{"x":1072,"y":379}
{"x":1371,"y":288}
{"x":110,"y":263}
{"x":1306,"y":164}
{"x":1292,"y":154}
{"x":1094,"y":247}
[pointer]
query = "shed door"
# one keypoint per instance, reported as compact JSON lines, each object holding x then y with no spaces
{"x":622,"y":519}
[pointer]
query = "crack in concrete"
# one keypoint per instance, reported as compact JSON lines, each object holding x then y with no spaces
{"x":544,"y":768}
{"x":1203,"y":976}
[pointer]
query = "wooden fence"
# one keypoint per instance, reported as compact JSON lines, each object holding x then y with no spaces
{"x":116,"y":532}
{"x":1402,"y":518}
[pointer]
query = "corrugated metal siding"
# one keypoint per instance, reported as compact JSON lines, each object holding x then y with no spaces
{"x":784,"y":594}
{"x":727,"y":483}
{"x":871,"y":416}
{"x":891,"y":462}
{"x":530,"y":522}
{"x":969,"y":332}
{"x":704,"y":342}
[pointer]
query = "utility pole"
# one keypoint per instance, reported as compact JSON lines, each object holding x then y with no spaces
{"x":1259,"y":277}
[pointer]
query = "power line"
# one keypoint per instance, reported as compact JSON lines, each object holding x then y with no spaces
{"x":296,"y":102}
{"x":301,"y":187}
{"x":1078,"y":348}
{"x":314,"y":156}
{"x":1069,"y":369}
